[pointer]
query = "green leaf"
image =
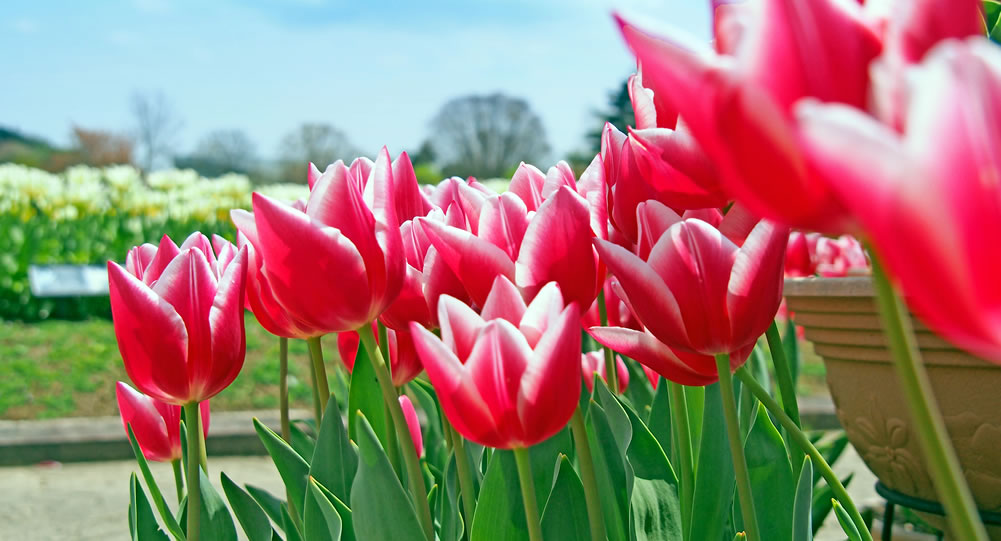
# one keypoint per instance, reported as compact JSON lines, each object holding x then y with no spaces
{"x":249,"y":513}
{"x":335,"y":460}
{"x":366,"y":396}
{"x":168,"y":518}
{"x":302,"y":442}
{"x":347,"y":522}
{"x":659,"y":421}
{"x":142,"y":523}
{"x":565,"y":514}
{"x":271,"y":505}
{"x":291,"y":467}
{"x":802,"y":529}
{"x":449,"y":516}
{"x":655,"y":500}
{"x":434,"y":437}
{"x":714,"y":476}
{"x":292,"y":532}
{"x":217,"y":523}
{"x":381,"y":508}
{"x":639,"y":391}
{"x":613,"y":474}
{"x":696,"y":396}
{"x":790,"y":344}
{"x":320,"y":520}
{"x":771,"y":478}
{"x":616,"y":414}
{"x":822,"y":498}
{"x":846,"y":521}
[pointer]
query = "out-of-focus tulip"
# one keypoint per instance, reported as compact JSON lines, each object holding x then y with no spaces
{"x":178,"y":316}
{"x":413,"y":425}
{"x":700,"y":291}
{"x":404,"y":363}
{"x":338,"y":263}
{"x":156,"y":424}
{"x":801,"y":254}
{"x":510,"y":377}
{"x":594,"y":362}
{"x":809,"y":254}
{"x":930,"y":199}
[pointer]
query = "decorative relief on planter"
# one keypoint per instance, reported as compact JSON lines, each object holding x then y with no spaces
{"x":883,"y":442}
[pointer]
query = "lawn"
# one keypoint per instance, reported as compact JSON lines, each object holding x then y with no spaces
{"x":69,"y":368}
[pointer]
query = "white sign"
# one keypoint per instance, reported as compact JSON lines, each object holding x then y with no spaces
{"x":68,"y":280}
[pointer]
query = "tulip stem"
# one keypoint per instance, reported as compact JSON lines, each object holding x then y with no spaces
{"x":940,"y":457}
{"x":283,"y":388}
{"x":322,"y":387}
{"x":192,"y":422}
{"x":611,"y":371}
{"x":679,"y":410}
{"x":787,"y":389}
{"x":804,"y":443}
{"x":586,"y":462}
{"x":743,"y":478}
{"x":465,"y":471}
{"x":415,"y":479}
{"x":528,"y":493}
{"x":178,"y":479}
{"x":317,"y":412}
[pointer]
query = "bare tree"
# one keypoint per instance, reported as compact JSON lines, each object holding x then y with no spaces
{"x":321,"y":144}
{"x":156,"y":124}
{"x":486,"y":136}
{"x":98,"y":148}
{"x":220,"y":152}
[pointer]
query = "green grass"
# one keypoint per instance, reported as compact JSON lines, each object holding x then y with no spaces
{"x":69,"y":368}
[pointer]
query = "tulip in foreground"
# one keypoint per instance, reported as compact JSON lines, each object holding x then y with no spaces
{"x":156,"y":424}
{"x":509,"y":377}
{"x":178,"y":316}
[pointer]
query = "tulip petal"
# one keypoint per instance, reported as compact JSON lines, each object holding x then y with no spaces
{"x":496,"y":364}
{"x":527,"y":184}
{"x":409,"y":200}
{"x":460,"y":326}
{"x":476,"y":262}
{"x":504,"y":302}
{"x":151,"y":335}
{"x":550,"y":386}
{"x":674,"y":365}
{"x":653,"y":218}
{"x":503,"y":221}
{"x":413,"y":425}
{"x":147,"y":424}
{"x":165,"y":253}
{"x":541,"y":313}
{"x":226,"y":322}
{"x":755,"y":287}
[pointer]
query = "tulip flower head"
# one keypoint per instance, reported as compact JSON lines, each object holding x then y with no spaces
{"x":178,"y":316}
{"x":510,"y":376}
{"x":413,"y":425}
{"x":156,"y":424}
{"x":405,"y":365}
{"x":593,"y":362}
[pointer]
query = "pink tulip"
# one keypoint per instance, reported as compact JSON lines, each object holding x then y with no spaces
{"x":156,"y":424}
{"x":337,"y":264}
{"x":178,"y":316}
{"x":412,"y":424}
{"x":404,"y":364}
{"x":509,"y":377}
{"x":698,"y":290}
{"x":929,"y":198}
{"x":593,"y":362}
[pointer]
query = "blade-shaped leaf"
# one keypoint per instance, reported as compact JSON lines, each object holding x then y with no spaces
{"x":846,"y":522}
{"x":714,"y":475}
{"x":772,"y":483}
{"x":292,"y":468}
{"x":659,"y":421}
{"x":142,"y":523}
{"x":335,"y":460}
{"x":292,"y":532}
{"x":161,"y":506}
{"x":802,"y":527}
{"x":271,"y":505}
{"x":249,"y":513}
{"x":216,"y":522}
{"x":655,"y":503}
{"x":347,"y":522}
{"x":365,"y":396}
{"x":320,"y":520}
{"x":612,"y":472}
{"x":565,"y":514}
{"x":377,"y":493}
{"x":302,"y":441}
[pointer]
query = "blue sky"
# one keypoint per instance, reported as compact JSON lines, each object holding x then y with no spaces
{"x":379,"y":70}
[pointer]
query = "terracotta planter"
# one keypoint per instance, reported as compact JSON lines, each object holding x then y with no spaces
{"x":840,"y":317}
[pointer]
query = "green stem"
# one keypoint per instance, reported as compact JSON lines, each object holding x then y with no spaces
{"x":317,"y":412}
{"x":283,"y":388}
{"x":393,"y":446}
{"x":322,"y":387}
{"x":804,"y":443}
{"x":178,"y":478}
{"x":586,"y":462}
{"x":192,"y":422}
{"x":940,"y":457}
{"x":528,"y":493}
{"x":465,"y":470}
{"x":683,"y":433}
{"x":737,"y":447}
{"x":416,"y":480}
{"x":611,"y":371}
{"x":783,"y":375}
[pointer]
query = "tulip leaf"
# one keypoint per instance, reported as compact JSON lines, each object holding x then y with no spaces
{"x":790,"y":344}
{"x":714,"y":475}
{"x":320,"y":522}
{"x":565,"y":514}
{"x":301,"y":441}
{"x":161,"y":506}
{"x":616,"y":414}
{"x":612,"y":471}
{"x":271,"y":505}
{"x":142,"y":523}
{"x":292,"y":468}
{"x":846,"y":521}
{"x":802,"y":527}
{"x":366,"y":396}
{"x":772,"y":483}
{"x":448,"y":506}
{"x":249,"y":513}
{"x":292,"y":532}
{"x":347,"y":520}
{"x":639,"y":391}
{"x":434,"y":438}
{"x":335,"y":460}
{"x":659,"y":420}
{"x":655,"y":499}
{"x":695,"y":398}
{"x":377,"y":494}
{"x":216,"y":522}
{"x":822,"y":500}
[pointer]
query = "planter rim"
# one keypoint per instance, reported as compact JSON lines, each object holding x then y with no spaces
{"x":850,"y":286}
